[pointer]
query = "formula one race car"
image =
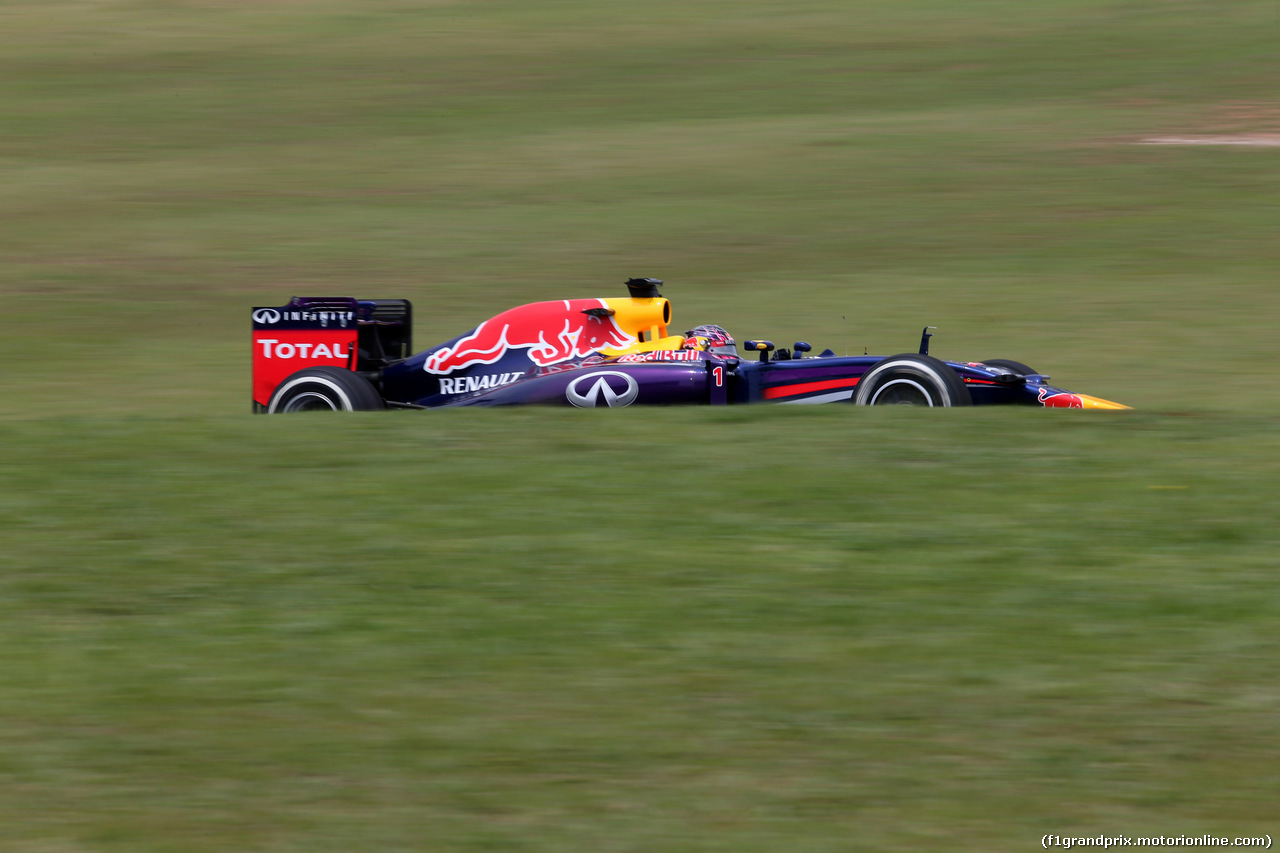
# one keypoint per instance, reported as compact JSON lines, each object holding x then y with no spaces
{"x":345,"y":354}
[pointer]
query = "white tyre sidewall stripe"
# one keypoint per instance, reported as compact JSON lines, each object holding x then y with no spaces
{"x":869,"y":378}
{"x":318,"y":380}
{"x":923,"y":390}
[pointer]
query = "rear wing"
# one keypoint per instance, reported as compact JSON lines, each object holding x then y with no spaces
{"x":364,"y":335}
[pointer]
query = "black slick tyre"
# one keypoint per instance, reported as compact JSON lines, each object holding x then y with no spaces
{"x":325,"y":389}
{"x":1009,"y":364}
{"x":912,"y":380}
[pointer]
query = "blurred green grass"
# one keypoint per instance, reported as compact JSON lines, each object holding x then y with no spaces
{"x":683,"y":629}
{"x":547,"y":630}
{"x":781,"y":165}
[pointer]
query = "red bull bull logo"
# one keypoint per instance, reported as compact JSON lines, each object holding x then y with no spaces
{"x":1060,"y":401}
{"x":551,"y":332}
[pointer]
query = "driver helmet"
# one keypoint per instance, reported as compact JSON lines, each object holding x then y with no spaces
{"x":712,"y":339}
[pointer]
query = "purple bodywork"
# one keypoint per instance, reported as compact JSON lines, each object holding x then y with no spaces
{"x":506,"y":375}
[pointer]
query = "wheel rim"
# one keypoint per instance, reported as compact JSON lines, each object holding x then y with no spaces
{"x":902,"y":392}
{"x":310,"y":401}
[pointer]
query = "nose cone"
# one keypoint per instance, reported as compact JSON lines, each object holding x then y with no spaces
{"x":1099,"y":403}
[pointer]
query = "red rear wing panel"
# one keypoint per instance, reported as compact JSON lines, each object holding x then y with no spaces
{"x":285,"y":340}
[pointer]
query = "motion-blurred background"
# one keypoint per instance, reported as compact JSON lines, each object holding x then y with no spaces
{"x":743,"y":630}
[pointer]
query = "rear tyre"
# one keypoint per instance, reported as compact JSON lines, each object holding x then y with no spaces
{"x":912,"y":380}
{"x":325,"y":389}
{"x":1016,"y":366}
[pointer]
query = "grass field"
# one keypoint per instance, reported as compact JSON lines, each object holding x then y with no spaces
{"x":740,"y":630}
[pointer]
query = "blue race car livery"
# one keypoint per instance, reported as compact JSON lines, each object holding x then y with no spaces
{"x":347,"y":354}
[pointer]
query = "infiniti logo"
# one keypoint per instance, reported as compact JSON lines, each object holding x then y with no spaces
{"x":586,"y":394}
{"x":266,"y":316}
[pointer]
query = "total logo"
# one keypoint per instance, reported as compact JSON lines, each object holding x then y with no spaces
{"x":467,"y":384}
{"x":613,"y":388}
{"x":272,"y":348}
{"x":271,"y":316}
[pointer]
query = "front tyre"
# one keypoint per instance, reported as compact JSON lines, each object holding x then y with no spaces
{"x":1009,"y":364}
{"x":325,"y":389}
{"x":912,"y":380}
